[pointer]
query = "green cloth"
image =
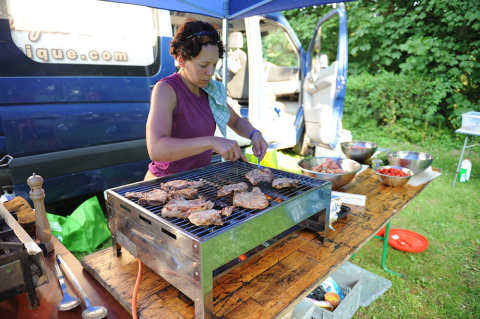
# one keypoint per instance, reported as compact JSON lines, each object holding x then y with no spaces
{"x":82,"y":231}
{"x":217,"y":98}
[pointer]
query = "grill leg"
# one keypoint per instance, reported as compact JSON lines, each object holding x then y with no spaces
{"x":204,"y":307}
{"x":204,"y":301}
{"x":117,"y":249}
{"x":27,"y":278}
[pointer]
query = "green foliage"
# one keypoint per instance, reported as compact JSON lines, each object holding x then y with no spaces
{"x":437,"y":39}
{"x":277,"y":50}
{"x":304,"y":20}
{"x":405,"y":104}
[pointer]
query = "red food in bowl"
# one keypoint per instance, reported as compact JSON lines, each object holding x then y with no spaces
{"x":391,"y":171}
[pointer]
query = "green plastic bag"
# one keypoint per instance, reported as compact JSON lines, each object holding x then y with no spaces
{"x":82,"y":231}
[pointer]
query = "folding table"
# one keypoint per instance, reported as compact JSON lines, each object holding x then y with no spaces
{"x":467,"y":132}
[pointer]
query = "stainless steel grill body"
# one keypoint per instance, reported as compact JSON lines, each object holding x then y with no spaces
{"x":186,"y":255}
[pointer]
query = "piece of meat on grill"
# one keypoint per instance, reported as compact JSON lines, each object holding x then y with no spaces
{"x":284,"y":182}
{"x":227,"y":211}
{"x":251,"y":200}
{"x":259,"y":175}
{"x":206,"y":217}
{"x":134,"y":195}
{"x":230,"y":188}
{"x":180,"y":184}
{"x":186,"y":193}
{"x":154,"y":197}
{"x":182,"y":208}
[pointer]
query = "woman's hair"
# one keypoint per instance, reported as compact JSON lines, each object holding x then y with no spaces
{"x":190,"y":38}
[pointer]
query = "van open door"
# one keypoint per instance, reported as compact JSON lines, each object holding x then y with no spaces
{"x":324,"y":85}
{"x":274,"y":81}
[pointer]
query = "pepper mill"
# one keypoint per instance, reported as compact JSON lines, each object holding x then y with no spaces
{"x":42,"y":227}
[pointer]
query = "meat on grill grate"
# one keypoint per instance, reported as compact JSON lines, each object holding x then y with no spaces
{"x":251,"y":200}
{"x":284,"y":182}
{"x":154,"y":197}
{"x":181,"y":184}
{"x":134,"y":195}
{"x":182,"y":208}
{"x":206,"y":217}
{"x":259,"y":175}
{"x":227,"y":211}
{"x":228,"y":189}
{"x":186,"y":193}
{"x":158,"y":196}
{"x":210,"y":216}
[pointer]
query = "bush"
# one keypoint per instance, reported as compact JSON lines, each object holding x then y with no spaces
{"x":405,"y":104}
{"x":432,"y":38}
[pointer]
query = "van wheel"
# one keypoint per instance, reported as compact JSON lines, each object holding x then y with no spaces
{"x":302,"y":148}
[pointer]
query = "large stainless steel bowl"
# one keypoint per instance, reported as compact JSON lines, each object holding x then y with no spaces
{"x":416,"y":161}
{"x":359,"y":151}
{"x":394,"y":180}
{"x":338,"y":180}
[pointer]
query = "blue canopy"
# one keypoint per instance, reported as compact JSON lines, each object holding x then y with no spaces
{"x":228,"y":9}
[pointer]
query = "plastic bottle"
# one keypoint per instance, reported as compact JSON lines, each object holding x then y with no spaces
{"x":465,"y":169}
{"x":468,"y":166}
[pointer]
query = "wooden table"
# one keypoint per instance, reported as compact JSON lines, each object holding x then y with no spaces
{"x":267,"y":285}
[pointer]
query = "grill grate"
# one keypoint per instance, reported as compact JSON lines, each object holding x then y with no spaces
{"x":218,"y":175}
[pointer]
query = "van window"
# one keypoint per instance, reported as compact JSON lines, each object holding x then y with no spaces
{"x":72,"y":37}
{"x":277,"y":46}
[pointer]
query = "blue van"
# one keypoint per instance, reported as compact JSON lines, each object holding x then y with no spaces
{"x":75,"y":81}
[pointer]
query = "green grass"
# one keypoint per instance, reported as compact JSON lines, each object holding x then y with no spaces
{"x":443,"y":281}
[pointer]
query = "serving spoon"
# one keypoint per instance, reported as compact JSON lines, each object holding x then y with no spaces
{"x":91,"y":312}
{"x":68,"y":302}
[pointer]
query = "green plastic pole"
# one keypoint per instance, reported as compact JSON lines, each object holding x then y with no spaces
{"x":384,"y":254}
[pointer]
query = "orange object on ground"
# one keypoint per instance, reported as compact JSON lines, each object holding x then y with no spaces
{"x":332,"y":297}
{"x":407,"y":240}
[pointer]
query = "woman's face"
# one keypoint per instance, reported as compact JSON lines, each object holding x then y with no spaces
{"x":200,"y":69}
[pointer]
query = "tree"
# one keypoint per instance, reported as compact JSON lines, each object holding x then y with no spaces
{"x":435,"y":39}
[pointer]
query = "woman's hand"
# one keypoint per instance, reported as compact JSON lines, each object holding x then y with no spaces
{"x":228,"y":149}
{"x":259,"y":145}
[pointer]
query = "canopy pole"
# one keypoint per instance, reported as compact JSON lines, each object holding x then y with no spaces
{"x":225,"y":30}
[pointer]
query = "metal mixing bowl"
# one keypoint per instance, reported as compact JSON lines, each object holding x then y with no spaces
{"x":337,"y":179}
{"x":416,"y":161}
{"x":394,"y":180}
{"x":358,"y":150}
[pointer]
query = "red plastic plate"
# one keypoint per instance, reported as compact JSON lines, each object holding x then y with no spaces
{"x":407,"y":240}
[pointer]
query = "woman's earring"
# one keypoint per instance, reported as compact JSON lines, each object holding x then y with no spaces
{"x":181,"y":63}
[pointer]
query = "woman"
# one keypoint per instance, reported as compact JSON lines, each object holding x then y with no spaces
{"x":186,"y":107}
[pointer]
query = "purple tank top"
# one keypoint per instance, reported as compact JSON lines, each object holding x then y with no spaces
{"x":192,"y":117}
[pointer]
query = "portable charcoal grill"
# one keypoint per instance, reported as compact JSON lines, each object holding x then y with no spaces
{"x":185,"y":254}
{"x":22,"y":266}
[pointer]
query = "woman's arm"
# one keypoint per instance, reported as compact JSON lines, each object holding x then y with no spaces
{"x":243,"y":128}
{"x":162,"y":147}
